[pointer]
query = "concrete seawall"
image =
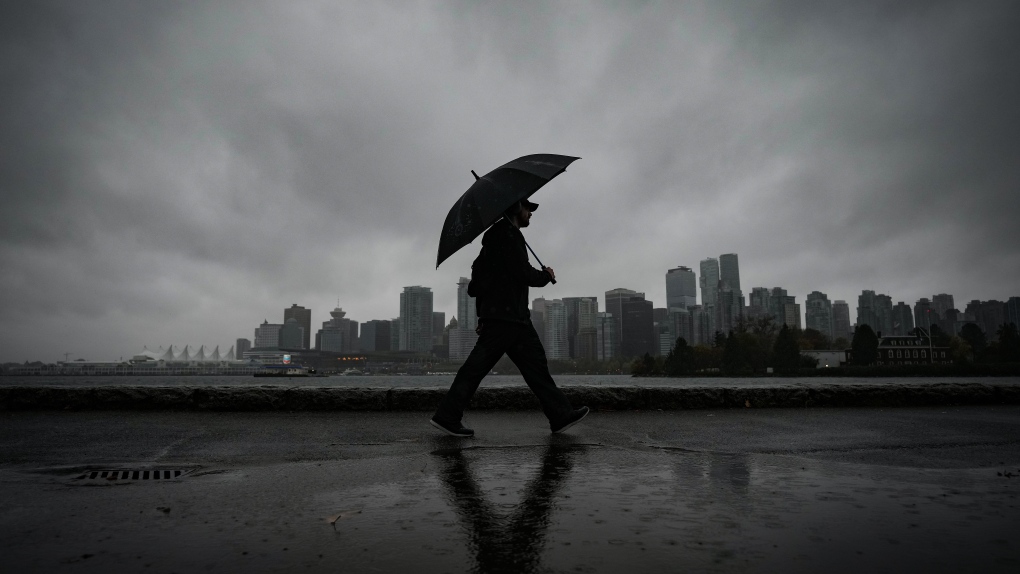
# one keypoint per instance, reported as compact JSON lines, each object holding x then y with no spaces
{"x":276,"y":398}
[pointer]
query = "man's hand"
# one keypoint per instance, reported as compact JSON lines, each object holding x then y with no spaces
{"x":551,"y":273}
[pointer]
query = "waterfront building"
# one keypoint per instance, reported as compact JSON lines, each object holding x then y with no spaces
{"x":681,"y":288}
{"x":416,"y":319}
{"x":304,"y":319}
{"x":375,"y":336}
{"x":240,"y":346}
{"x":267,"y":334}
{"x":818,"y":313}
{"x":292,"y":335}
{"x":911,"y":350}
{"x":339,"y":334}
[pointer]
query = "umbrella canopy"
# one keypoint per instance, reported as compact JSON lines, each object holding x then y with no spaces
{"x":485,"y":201}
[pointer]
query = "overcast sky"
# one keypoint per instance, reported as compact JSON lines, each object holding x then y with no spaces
{"x":177,"y":172}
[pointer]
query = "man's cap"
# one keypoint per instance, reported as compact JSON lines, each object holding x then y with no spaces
{"x":517,"y":206}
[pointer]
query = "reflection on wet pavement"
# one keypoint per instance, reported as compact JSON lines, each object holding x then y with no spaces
{"x":564,"y":507}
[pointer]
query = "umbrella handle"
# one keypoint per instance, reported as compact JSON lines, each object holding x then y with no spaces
{"x":539,"y":260}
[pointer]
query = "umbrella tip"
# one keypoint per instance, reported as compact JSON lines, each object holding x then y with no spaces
{"x":475,"y":174}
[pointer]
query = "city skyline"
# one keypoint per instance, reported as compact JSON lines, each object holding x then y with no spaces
{"x":176,"y":172}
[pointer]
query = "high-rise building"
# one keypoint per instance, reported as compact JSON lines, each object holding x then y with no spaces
{"x":760,"y":304}
{"x":336,"y":334}
{"x":395,"y":334}
{"x":375,"y":335}
{"x":605,"y":336}
{"x":556,"y":330}
{"x":267,"y":334}
{"x":791,"y":315}
{"x":942,"y":303}
{"x":818,"y":313}
{"x":240,"y":347}
{"x":924,"y":314}
{"x":841,"y":325}
{"x":681,"y":325}
{"x":902,"y":319}
{"x":467,"y":312}
{"x":304,"y":319}
{"x":729,"y":270}
{"x":416,"y":319}
{"x":573,"y":306}
{"x":783,"y":308}
{"x":875,"y":310}
{"x":637,"y":328}
{"x":614,"y":306}
{"x":709,"y":287}
{"x":438,"y":328}
{"x":729,"y":308}
{"x":586,"y":339}
{"x":538,"y":317}
{"x":989,"y":315}
{"x":1012,"y":311}
{"x":701,"y":326}
{"x":292,"y":335}
{"x":681,"y":288}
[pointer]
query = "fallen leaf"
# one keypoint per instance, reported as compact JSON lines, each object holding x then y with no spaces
{"x":346,"y":514}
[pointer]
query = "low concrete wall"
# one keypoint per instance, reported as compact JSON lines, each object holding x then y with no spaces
{"x":270,"y":398}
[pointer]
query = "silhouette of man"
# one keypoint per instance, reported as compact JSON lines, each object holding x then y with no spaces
{"x":500,"y":279}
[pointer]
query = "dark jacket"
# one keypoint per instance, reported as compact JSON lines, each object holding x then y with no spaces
{"x":505,"y":275}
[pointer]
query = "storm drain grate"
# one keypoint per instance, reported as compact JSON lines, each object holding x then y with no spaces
{"x":131,"y":474}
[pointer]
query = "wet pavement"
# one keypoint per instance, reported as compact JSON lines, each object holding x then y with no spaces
{"x":773,"y":490}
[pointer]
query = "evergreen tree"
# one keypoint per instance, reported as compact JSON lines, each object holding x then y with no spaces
{"x":680,"y":360}
{"x":786,"y":353}
{"x":864,"y":347}
{"x":975,"y":337}
{"x":1009,"y":343}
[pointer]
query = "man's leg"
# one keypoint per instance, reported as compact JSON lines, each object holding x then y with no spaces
{"x":491,"y":345}
{"x":528,"y":354}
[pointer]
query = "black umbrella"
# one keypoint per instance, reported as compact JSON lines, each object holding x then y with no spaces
{"x":485,"y":201}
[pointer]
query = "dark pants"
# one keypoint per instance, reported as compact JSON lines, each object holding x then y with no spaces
{"x":520,"y":342}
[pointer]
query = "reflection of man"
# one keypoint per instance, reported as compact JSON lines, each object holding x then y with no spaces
{"x":506,"y":543}
{"x":499,"y":282}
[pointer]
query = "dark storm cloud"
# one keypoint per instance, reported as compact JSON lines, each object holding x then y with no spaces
{"x":176,"y":172}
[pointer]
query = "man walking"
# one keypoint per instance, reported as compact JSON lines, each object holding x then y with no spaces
{"x":500,"y":278}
